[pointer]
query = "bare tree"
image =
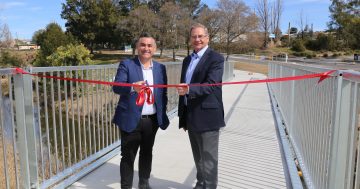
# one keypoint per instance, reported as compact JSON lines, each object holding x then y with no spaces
{"x":168,"y":27}
{"x":263,"y":12}
{"x":212,"y":20}
{"x":190,"y":10}
{"x":276,"y":13}
{"x":186,"y":22}
{"x":140,"y":20}
{"x":237,"y":19}
{"x":302,"y":23}
{"x":279,"y":11}
{"x":6,"y":40}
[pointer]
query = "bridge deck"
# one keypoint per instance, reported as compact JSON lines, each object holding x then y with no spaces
{"x":249,"y":153}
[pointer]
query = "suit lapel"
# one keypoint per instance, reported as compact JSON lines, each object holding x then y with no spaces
{"x":138,"y":69}
{"x":156,"y":75}
{"x":201,"y":63}
{"x":184,"y":69}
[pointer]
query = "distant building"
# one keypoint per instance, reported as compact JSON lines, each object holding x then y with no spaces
{"x":28,"y":47}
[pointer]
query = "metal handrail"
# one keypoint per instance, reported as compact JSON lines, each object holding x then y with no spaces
{"x":62,"y":130}
{"x":321,"y":122}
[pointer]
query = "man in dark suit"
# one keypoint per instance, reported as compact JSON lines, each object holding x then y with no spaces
{"x":201,"y":110}
{"x":139,"y":124}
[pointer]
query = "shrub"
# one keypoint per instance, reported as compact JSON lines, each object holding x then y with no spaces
{"x":298,"y":46}
{"x":348,"y":52}
{"x":323,"y":42}
{"x":310,"y":55}
{"x":70,"y":55}
{"x":6,"y":60}
{"x":306,"y":54}
{"x":336,"y":54}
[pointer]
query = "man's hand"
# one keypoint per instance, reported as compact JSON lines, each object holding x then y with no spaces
{"x":139,"y":86}
{"x":183,"y":89}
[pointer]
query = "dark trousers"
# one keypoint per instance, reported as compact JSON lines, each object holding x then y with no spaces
{"x":205,"y":147}
{"x":143,"y":136}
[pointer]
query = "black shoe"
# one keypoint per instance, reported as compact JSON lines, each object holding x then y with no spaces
{"x":144,"y":185}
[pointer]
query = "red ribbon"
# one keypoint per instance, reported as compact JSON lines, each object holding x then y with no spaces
{"x":146,"y":94}
{"x":325,"y":75}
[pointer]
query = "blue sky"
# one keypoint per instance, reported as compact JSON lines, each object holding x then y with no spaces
{"x":24,"y":17}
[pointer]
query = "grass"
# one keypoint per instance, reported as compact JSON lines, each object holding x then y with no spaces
{"x":273,"y":51}
{"x":104,"y":57}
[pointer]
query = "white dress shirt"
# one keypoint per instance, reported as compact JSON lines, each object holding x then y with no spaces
{"x":148,"y":109}
{"x":195,"y":59}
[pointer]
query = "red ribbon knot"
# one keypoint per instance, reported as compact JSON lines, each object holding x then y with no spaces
{"x":326,"y":75}
{"x":20,"y":71}
{"x":145,"y":94}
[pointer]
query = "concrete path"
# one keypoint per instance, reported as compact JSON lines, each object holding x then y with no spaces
{"x":249,"y":153}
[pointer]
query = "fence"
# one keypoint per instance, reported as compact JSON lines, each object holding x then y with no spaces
{"x":53,"y":132}
{"x":322,"y":124}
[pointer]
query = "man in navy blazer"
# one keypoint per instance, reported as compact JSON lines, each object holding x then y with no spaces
{"x":139,"y":124}
{"x":201,"y":110}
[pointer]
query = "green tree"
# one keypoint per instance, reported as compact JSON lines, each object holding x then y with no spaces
{"x":126,"y":6}
{"x":70,"y":55}
{"x":49,"y":40}
{"x":352,"y":33}
{"x":345,"y":20}
{"x":52,"y":38}
{"x":92,"y":22}
{"x":37,"y":36}
{"x":107,"y":35}
{"x":155,"y":5}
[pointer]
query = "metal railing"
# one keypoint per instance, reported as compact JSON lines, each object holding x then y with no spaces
{"x":54,"y":132}
{"x":228,"y":71}
{"x":260,"y":59}
{"x":9,"y":160}
{"x":321,"y":122}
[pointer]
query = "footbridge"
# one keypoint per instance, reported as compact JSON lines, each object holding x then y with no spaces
{"x":292,"y":134}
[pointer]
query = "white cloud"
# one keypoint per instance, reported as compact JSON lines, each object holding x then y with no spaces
{"x":307,"y":1}
{"x":9,"y":5}
{"x":35,"y":8}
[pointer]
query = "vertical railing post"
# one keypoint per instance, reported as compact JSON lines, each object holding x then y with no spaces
{"x":354,"y":134}
{"x":21,"y":131}
{"x":341,"y":136}
{"x":292,"y":101}
{"x":26,"y":131}
{"x":31,"y":131}
{"x":281,"y":86}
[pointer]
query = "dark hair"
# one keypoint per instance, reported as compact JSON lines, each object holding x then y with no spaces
{"x":145,"y":34}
